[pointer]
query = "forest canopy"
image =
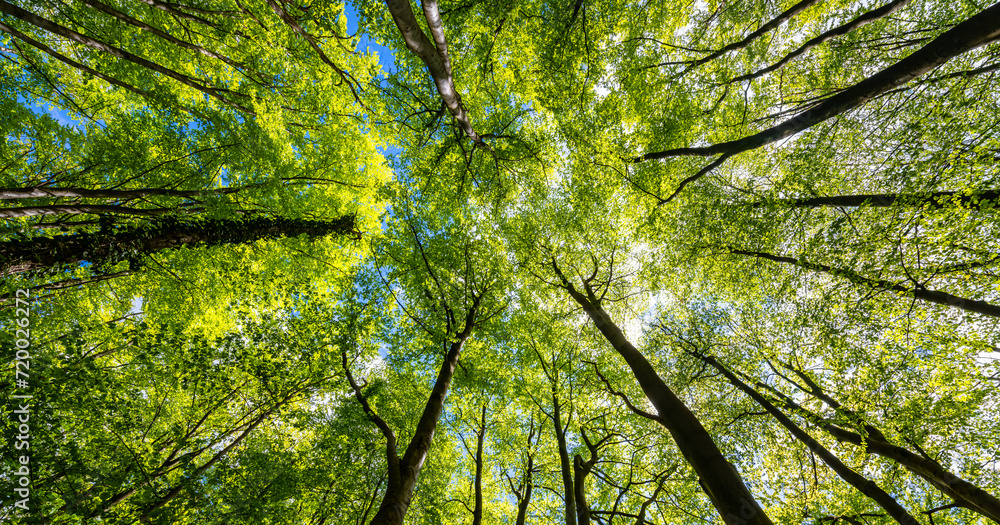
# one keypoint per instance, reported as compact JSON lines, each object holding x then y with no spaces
{"x":519,"y":262}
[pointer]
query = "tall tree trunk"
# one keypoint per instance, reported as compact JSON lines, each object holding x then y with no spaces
{"x":864,"y":485}
{"x":102,"y":47}
{"x":77,"y":209}
{"x":434,"y":55}
{"x":720,"y":479}
{"x":979,"y":30}
{"x":84,"y":193}
{"x":107,"y":248}
{"x":477,"y":509}
{"x":964,"y":493}
{"x":403,"y":476}
{"x":565,"y":466}
{"x":936,"y":200}
{"x":74,"y":64}
{"x":918,"y":292}
{"x":581,"y":469}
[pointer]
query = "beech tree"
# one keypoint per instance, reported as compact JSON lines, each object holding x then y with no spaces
{"x":524,"y":262}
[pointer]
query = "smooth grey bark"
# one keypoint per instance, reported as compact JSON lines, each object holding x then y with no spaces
{"x":84,"y":193}
{"x":78,"y":209}
{"x":434,"y":56}
{"x":73,"y":63}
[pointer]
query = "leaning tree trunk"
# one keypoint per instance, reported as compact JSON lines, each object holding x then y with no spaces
{"x":120,"y":54}
{"x":434,"y":55}
{"x":981,"y":200}
{"x":107,"y":248}
{"x":981,"y":29}
{"x":862,"y":484}
{"x":404,"y":471}
{"x":963,"y":492}
{"x":916,"y":291}
{"x":719,"y":478}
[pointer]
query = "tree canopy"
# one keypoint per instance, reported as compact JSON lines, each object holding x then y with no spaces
{"x":520,"y":262}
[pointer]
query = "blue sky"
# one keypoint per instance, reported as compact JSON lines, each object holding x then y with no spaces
{"x":385,"y":57}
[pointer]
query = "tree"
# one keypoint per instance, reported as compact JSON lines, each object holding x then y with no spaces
{"x":583,"y":263}
{"x":107,"y":248}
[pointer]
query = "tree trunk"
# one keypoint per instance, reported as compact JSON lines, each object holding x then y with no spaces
{"x":97,"y":45}
{"x":77,"y":209}
{"x":856,"y":480}
{"x":73,"y":63}
{"x":45,"y":192}
{"x":963,"y":492}
{"x":979,"y":30}
{"x":565,"y":466}
{"x":108,"y":248}
{"x":721,"y":481}
{"x":918,"y":292}
{"x":937,"y":200}
{"x":477,"y":509}
{"x":434,"y":56}
{"x":581,"y":469}
{"x":402,"y":483}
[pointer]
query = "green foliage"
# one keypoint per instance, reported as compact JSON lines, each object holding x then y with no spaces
{"x":204,"y":380}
